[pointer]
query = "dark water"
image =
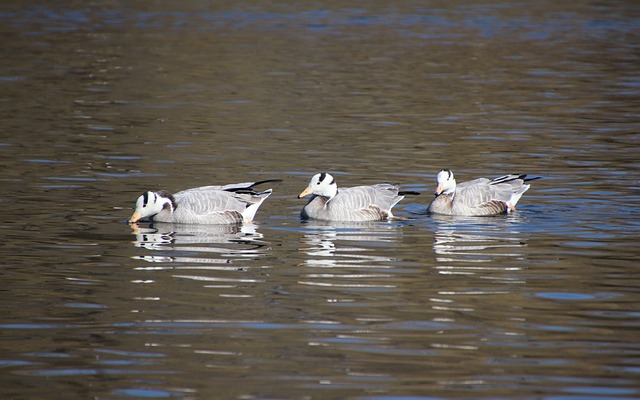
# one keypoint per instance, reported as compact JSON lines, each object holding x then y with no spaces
{"x":102,"y":100}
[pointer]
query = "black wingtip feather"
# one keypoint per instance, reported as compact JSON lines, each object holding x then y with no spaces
{"x":512,"y":177}
{"x":266,"y":181}
{"x":250,"y":189}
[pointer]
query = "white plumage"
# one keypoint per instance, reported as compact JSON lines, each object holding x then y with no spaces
{"x":479,"y":197}
{"x":229,"y":204}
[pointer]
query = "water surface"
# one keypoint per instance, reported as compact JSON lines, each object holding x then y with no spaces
{"x":102,"y":101}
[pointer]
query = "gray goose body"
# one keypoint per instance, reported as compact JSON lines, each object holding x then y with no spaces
{"x":360,"y":203}
{"x":215,"y":205}
{"x":479,"y":197}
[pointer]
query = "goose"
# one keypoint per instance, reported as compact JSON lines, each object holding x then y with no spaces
{"x":360,"y":203}
{"x":479,"y":197}
{"x":230,"y":204}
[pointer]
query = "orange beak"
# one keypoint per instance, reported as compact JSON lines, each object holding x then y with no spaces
{"x":305,"y":192}
{"x":135,"y":218}
{"x":439,"y":189}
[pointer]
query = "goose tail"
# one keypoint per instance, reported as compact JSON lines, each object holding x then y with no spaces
{"x":515,"y":197}
{"x":250,"y":212}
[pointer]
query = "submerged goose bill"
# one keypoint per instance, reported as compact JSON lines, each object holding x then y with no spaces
{"x":229,"y":204}
{"x":353,"y":204}
{"x":479,"y":197}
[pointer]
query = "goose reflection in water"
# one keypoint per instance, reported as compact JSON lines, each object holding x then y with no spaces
{"x":476,"y":240}
{"x":354,"y":248}
{"x":228,"y":241}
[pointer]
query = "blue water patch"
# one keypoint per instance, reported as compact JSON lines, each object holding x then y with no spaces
{"x":47,"y":161}
{"x":553,"y":328}
{"x":85,"y":305}
{"x":602,"y":391}
{"x":146,"y":393}
{"x":12,"y":78}
{"x":429,"y":23}
{"x":144,"y":354}
{"x":565,"y":296}
{"x":15,"y":363}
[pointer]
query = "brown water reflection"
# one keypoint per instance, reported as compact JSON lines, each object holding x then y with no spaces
{"x":101,"y":101}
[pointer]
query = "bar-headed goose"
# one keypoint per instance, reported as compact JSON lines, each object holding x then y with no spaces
{"x":230,"y":204}
{"x":479,"y":197}
{"x":360,"y":203}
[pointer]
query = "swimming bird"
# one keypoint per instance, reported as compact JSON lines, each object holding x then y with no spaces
{"x":230,"y":204}
{"x":360,"y":203}
{"x":479,"y":197}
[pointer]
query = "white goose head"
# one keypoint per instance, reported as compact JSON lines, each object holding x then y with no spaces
{"x":151,"y":203}
{"x":446,"y":182}
{"x":321,"y":184}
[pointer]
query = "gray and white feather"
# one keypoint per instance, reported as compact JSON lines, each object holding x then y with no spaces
{"x":229,"y":204}
{"x":479,"y":197}
{"x":360,"y":203}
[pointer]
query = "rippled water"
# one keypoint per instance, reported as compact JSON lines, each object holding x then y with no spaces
{"x":101,"y":101}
